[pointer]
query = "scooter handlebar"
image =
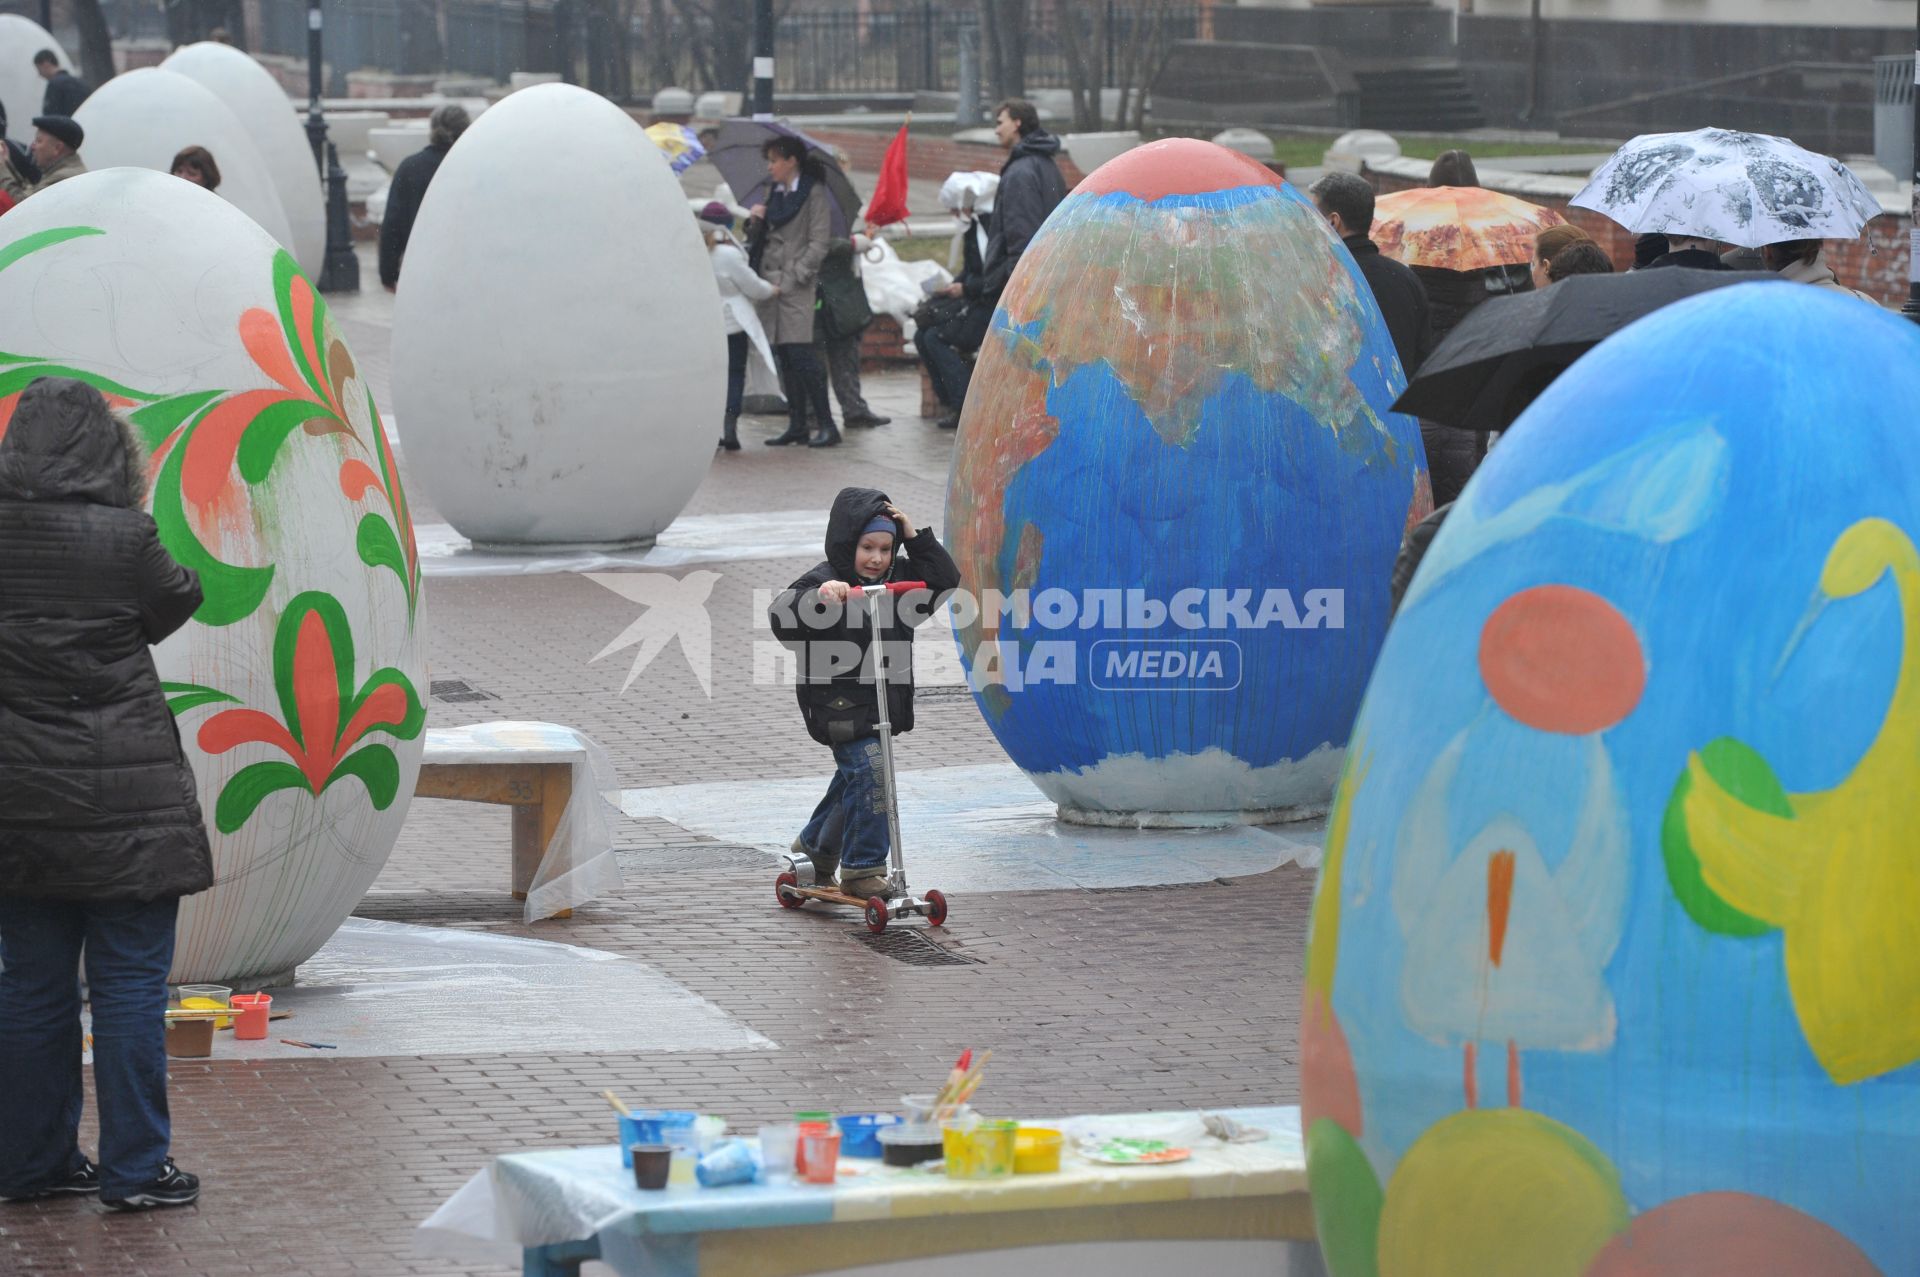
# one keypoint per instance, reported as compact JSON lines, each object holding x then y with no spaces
{"x":893,"y":587}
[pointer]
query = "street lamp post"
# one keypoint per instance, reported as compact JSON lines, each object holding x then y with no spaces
{"x":763,"y":59}
{"x":340,"y":272}
{"x":1912,"y":309}
{"x":46,"y":15}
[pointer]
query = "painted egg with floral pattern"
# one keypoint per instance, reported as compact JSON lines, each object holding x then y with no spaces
{"x":559,"y":366}
{"x":299,"y":685}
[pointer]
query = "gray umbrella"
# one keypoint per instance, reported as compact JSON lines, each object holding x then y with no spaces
{"x":1739,"y":188}
{"x":736,"y":152}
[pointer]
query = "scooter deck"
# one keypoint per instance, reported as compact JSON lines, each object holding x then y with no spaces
{"x":831,"y":896}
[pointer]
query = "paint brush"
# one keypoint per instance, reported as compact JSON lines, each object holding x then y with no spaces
{"x":969,"y":1083}
{"x":954,"y":1078}
{"x":618,"y":1107}
{"x":311,"y":1046}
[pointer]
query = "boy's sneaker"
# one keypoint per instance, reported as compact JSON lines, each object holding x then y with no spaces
{"x":172,"y":1187}
{"x":864,"y":884}
{"x":85,"y":1179}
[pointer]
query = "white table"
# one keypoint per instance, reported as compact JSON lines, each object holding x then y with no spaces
{"x":1232,"y":1209}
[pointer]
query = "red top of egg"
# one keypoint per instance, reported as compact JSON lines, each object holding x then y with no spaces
{"x":1177,"y":166}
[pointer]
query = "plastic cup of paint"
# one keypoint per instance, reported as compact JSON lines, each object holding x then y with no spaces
{"x":652,"y":1164}
{"x":820,"y":1153}
{"x":254,"y":1010}
{"x":808,"y":1122}
{"x":190,"y":1039}
{"x":910,"y":1144}
{"x":779,"y":1147}
{"x":860,"y":1132}
{"x":1036,"y":1150}
{"x":977,"y":1149}
{"x":204,"y":997}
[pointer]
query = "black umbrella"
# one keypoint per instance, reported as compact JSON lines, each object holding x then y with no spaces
{"x":1508,"y":349}
{"x":736,"y":152}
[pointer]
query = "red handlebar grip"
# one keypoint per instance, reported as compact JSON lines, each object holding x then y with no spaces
{"x":901,"y":587}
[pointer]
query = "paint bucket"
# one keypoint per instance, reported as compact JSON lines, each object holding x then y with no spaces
{"x":860,"y":1133}
{"x":254,"y":1009}
{"x":820,"y":1151}
{"x":190,"y":1039}
{"x":1036,"y":1150}
{"x":910,"y":1144}
{"x":650,"y":1126}
{"x":977,"y":1149}
{"x":809,"y":1122}
{"x":205,"y":997}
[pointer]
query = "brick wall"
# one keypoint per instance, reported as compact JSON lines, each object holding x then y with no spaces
{"x":1876,"y":263}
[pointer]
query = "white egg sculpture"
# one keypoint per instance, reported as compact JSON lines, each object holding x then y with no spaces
{"x":299,"y":686}
{"x":267,"y":114}
{"x":142,"y":119}
{"x":559,"y":366}
{"x":21,"y":88}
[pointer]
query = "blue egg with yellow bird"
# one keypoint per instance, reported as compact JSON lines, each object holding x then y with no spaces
{"x":1615,"y":955}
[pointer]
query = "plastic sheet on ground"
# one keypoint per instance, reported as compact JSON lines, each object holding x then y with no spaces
{"x":710,"y":538}
{"x":389,"y":988}
{"x":985,"y":828}
{"x":578,"y":864}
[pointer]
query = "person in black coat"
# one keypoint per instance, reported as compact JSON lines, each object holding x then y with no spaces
{"x":945,"y":347}
{"x":65,"y":90}
{"x":100,"y":828}
{"x":835,"y":688}
{"x":409,"y":187}
{"x":1346,"y":201}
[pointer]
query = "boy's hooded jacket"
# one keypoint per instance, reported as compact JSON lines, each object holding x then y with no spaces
{"x":97,"y":800}
{"x":836,"y":694}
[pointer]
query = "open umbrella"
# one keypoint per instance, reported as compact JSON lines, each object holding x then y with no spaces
{"x":1522,"y":342}
{"x":1748,"y":189}
{"x":680,"y":144}
{"x":736,"y":153}
{"x":1459,"y":228}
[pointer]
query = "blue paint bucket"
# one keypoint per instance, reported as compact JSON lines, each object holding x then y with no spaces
{"x":656,"y":1126}
{"x":860,"y":1133}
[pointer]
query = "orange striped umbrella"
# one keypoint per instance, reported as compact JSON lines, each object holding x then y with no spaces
{"x":1458,"y":227}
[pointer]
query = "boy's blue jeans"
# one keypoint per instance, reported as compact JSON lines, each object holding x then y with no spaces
{"x":852,"y":818}
{"x":129,"y":949}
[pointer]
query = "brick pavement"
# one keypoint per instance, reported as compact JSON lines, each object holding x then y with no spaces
{"x":1094,"y":1000}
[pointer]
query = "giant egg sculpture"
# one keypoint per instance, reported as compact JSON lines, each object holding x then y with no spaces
{"x":1178,"y":466}
{"x":299,"y":686}
{"x":1613,"y":967}
{"x":21,"y":88}
{"x":266,"y":112}
{"x":559,"y":367}
{"x":145,"y":117}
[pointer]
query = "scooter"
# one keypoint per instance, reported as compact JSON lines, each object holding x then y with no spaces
{"x":795,"y":885}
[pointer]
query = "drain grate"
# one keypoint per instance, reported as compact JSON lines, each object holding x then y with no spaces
{"x":453,"y":691}
{"x":911,"y":946}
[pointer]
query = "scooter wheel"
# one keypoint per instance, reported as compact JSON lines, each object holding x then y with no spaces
{"x":936,"y":908}
{"x":877,"y":915}
{"x":789,"y":899}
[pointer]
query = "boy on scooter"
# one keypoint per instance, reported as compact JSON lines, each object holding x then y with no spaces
{"x":866,"y":534}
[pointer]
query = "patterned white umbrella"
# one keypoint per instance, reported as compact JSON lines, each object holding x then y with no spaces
{"x":1739,"y":188}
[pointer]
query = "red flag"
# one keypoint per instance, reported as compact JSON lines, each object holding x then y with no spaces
{"x":889,"y":202}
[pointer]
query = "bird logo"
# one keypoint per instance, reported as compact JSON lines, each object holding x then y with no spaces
{"x":676,"y":608}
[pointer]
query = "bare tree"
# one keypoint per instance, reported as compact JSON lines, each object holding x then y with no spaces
{"x":1006,"y":23}
{"x":96,"y":47}
{"x":1109,"y":48}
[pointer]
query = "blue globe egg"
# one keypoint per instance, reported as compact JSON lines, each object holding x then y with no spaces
{"x":1179,"y":465}
{"x":1613,"y":966}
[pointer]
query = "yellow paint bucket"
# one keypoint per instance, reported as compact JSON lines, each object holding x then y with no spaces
{"x":1036,"y":1150}
{"x":978,"y":1149}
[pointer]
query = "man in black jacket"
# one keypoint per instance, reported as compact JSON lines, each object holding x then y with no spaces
{"x":1346,"y":201}
{"x":409,"y":187}
{"x":101,"y":831}
{"x":65,"y":90}
{"x":1030,"y":188}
